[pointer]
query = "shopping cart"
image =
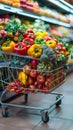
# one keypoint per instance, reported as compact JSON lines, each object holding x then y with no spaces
{"x":21,"y":80}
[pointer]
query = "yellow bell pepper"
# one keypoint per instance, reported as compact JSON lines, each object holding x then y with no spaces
{"x":22,"y":77}
{"x":1,"y":27}
{"x":45,"y":34}
{"x":35,"y":50}
{"x":51,"y":43}
{"x":42,"y":34}
{"x":8,"y":46}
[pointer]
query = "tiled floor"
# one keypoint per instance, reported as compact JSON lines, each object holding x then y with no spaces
{"x":29,"y":119}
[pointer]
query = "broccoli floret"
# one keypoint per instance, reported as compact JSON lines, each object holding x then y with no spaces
{"x":48,"y":54}
{"x":44,"y":57}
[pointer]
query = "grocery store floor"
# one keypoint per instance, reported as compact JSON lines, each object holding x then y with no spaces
{"x":26,"y":119}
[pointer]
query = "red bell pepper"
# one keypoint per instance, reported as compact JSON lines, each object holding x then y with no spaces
{"x":47,"y":38}
{"x":20,"y":48}
{"x":29,"y":34}
{"x":28,"y":42}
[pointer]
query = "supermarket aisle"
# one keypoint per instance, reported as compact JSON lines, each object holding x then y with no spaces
{"x":60,"y":119}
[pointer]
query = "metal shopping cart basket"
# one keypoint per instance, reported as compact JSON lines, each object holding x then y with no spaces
{"x":22,"y":78}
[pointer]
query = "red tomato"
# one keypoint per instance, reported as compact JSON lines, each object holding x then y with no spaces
{"x":64,"y":49}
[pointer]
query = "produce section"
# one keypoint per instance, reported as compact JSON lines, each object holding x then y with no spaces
{"x":34,"y":57}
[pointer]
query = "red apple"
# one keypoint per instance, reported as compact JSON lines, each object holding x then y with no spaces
{"x":34,"y":63}
{"x":64,"y":49}
{"x":40,"y":79}
{"x":31,"y":88}
{"x":38,"y":86}
{"x":48,"y":84}
{"x":15,"y":88}
{"x":60,"y":44}
{"x":33,"y":73}
{"x":27,"y":69}
{"x":30,"y":81}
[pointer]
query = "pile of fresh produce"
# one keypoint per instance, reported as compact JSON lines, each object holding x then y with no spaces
{"x":16,"y":37}
{"x":15,"y":86}
{"x":45,"y":54}
{"x":33,"y":80}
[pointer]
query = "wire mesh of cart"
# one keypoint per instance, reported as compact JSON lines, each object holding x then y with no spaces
{"x":22,"y":77}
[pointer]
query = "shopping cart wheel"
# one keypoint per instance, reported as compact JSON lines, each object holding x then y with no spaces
{"x":45,"y":116}
{"x":5,"y":112}
{"x":58,"y":103}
